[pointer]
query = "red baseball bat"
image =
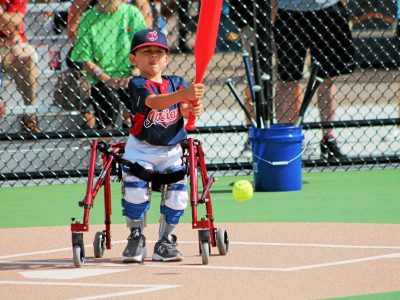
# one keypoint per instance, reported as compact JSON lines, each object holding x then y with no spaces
{"x":204,"y":45}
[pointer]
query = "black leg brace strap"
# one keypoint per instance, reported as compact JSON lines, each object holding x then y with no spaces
{"x":136,"y":169}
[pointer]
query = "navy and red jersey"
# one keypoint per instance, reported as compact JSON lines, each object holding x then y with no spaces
{"x":157,"y":127}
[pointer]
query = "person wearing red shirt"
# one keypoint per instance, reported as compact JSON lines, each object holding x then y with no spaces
{"x":18,"y":57}
{"x":2,"y":109}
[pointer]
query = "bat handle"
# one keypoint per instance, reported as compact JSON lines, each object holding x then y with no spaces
{"x":191,"y":123}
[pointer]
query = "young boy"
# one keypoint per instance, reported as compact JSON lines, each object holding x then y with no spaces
{"x":159,"y":103}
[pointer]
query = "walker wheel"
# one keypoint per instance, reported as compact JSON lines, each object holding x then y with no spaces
{"x":99,"y":244}
{"x":78,"y":249}
{"x":79,"y":257}
{"x":205,"y":251}
{"x":222,"y":241}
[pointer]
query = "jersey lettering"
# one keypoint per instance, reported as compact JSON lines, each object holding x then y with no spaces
{"x":164,"y":118}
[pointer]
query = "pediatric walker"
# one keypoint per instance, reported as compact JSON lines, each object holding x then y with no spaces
{"x":193,"y":158}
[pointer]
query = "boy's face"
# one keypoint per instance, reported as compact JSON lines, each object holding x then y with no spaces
{"x":150,"y":60}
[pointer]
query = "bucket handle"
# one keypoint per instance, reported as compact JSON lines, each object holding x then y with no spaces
{"x":281,"y":163}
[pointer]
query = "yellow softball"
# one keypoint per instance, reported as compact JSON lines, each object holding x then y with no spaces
{"x":242,"y":190}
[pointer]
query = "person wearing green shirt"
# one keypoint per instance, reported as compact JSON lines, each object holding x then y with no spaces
{"x":103,"y":47}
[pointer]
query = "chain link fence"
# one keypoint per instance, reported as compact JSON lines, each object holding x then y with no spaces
{"x":57,"y":147}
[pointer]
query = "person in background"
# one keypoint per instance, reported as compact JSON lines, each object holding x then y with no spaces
{"x":2,"y":109}
{"x":322,"y":28}
{"x":18,"y":57}
{"x":241,"y":13}
{"x":183,"y":25}
{"x":47,"y":17}
{"x":181,"y":7}
{"x":159,"y":21}
{"x":78,"y":7}
{"x":159,"y":104}
{"x":102,"y":46}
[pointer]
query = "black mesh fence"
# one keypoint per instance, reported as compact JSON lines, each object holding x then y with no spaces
{"x":52,"y":114}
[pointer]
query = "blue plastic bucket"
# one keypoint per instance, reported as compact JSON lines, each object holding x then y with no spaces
{"x":277,"y":154}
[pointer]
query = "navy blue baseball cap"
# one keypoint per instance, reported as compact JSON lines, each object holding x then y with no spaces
{"x":149,"y":37}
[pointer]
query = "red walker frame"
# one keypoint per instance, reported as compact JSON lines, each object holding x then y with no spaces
{"x":193,"y":157}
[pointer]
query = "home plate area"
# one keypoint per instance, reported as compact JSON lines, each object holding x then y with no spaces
{"x":265,"y":260}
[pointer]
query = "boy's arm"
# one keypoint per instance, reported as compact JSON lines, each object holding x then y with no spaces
{"x":164,"y":101}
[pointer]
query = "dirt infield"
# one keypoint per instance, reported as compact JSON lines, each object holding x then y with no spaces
{"x":265,"y":261}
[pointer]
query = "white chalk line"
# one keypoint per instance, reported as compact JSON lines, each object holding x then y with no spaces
{"x":139,"y":288}
{"x":238,"y":268}
{"x":345,"y":262}
{"x":316,"y":245}
{"x":231,"y":243}
{"x":38,"y":252}
{"x":168,"y":266}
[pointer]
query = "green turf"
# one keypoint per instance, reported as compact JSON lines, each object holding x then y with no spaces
{"x":353,"y":196}
{"x":385,"y":296}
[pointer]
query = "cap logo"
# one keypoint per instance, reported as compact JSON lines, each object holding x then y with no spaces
{"x":152,"y":36}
